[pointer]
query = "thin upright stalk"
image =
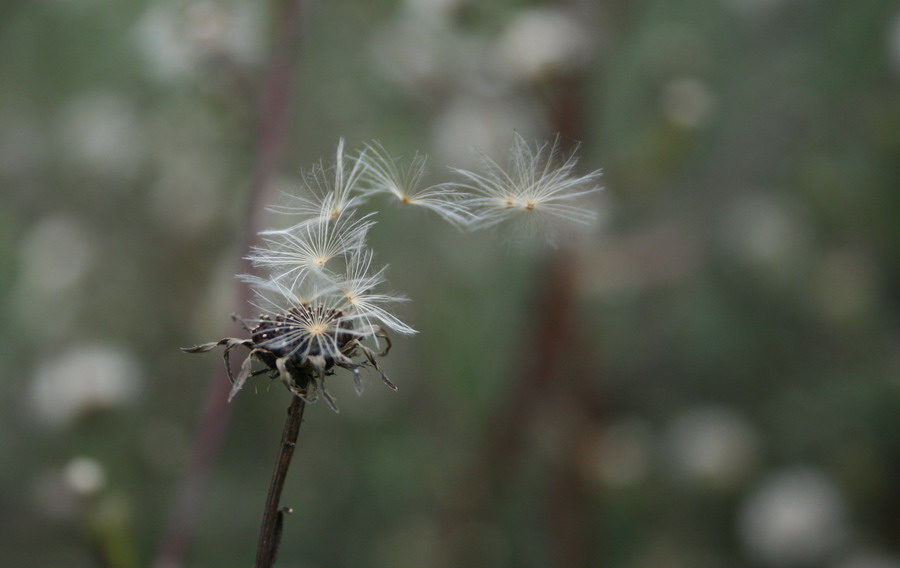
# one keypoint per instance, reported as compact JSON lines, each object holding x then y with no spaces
{"x":270,"y":532}
{"x":271,"y":136}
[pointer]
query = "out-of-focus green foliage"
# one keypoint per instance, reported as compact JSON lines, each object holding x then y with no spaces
{"x":727,"y":392}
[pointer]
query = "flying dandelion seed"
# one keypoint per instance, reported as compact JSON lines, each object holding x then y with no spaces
{"x":329,"y":190}
{"x":387,"y":175}
{"x":310,"y":248}
{"x":538,"y":185}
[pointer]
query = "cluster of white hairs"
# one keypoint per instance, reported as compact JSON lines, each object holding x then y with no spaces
{"x":318,"y":298}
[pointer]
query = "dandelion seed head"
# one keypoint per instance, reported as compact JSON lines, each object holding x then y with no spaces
{"x":319,"y":295}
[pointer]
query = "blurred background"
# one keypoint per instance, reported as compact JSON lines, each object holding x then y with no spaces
{"x":709,"y":377}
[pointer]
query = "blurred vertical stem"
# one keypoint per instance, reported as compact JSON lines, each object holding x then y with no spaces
{"x":270,"y":532}
{"x":545,"y":385}
{"x":271,"y":134}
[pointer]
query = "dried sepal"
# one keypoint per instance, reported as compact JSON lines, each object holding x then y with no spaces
{"x":230,"y":344}
{"x":246,"y":372}
{"x":329,"y":399}
{"x":235,"y":317}
{"x":205,"y":347}
{"x":370,"y":355}
{"x":301,"y":359}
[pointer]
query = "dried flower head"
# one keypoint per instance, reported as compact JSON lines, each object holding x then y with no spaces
{"x":317,"y":300}
{"x":538,"y":184}
{"x":311,"y":326}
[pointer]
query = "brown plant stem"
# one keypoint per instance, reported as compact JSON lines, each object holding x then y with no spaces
{"x":553,"y":339}
{"x":270,"y":531}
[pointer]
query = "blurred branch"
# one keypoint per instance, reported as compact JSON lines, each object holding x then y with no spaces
{"x":545,"y":385}
{"x":277,"y":93}
{"x":551,"y":342}
{"x":531,"y":389}
{"x":567,"y":492}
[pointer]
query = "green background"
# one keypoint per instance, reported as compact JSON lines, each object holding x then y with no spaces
{"x":710,"y":376}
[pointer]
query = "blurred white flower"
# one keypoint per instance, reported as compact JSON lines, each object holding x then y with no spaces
{"x":542,"y":43}
{"x":100,"y":133}
{"x":768,"y":233}
{"x":482,"y":121}
{"x":420,"y":55}
{"x":159,"y":40}
{"x":176,"y":38}
{"x":687,"y":102}
{"x":54,"y":255}
{"x":81,"y":380}
{"x":714,"y":446}
{"x":795,"y":517}
{"x":84,"y":476}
